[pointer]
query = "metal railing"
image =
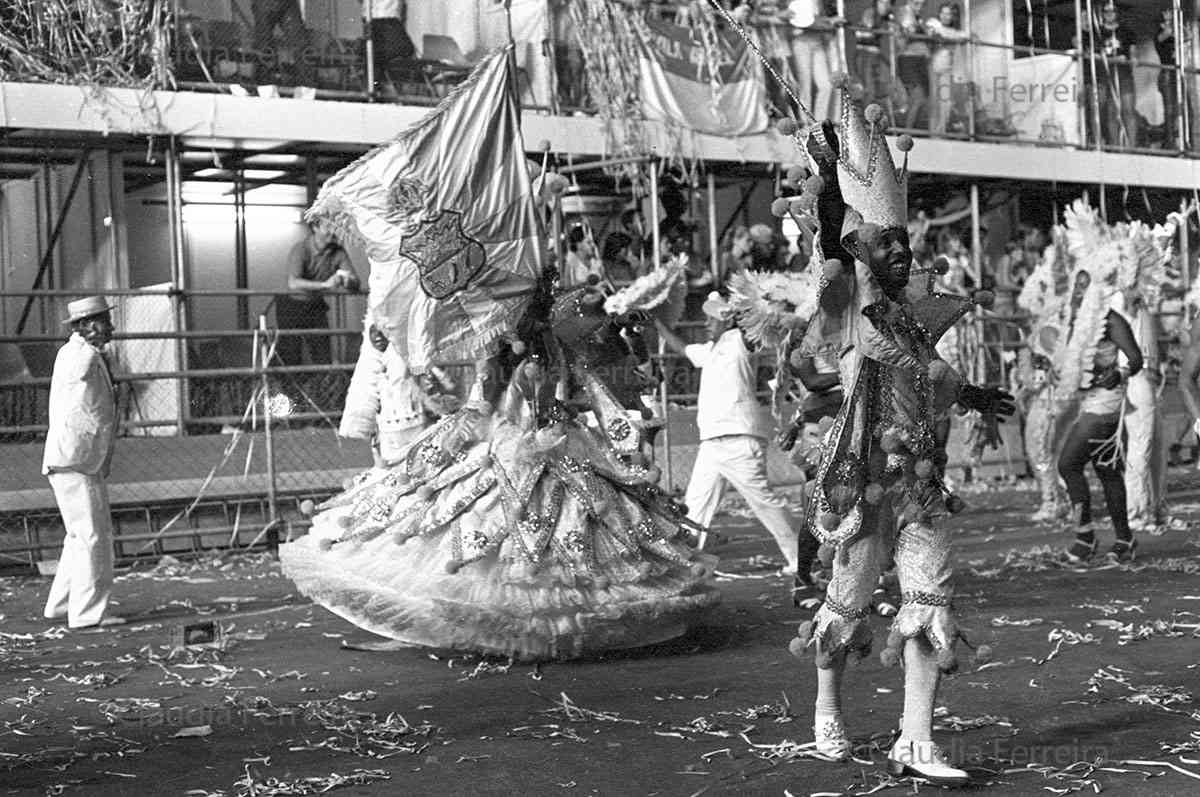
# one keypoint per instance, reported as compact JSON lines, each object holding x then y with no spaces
{"x":990,"y":81}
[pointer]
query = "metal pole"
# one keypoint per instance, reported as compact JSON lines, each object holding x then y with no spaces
{"x":664,"y":388}
{"x":977,"y":267}
{"x":56,"y":233}
{"x":241,"y":266}
{"x":1184,"y":253}
{"x":179,"y":280}
{"x":1081,"y":120}
{"x":369,"y":49}
{"x":600,"y":164}
{"x":976,"y":242}
{"x":1095,"y":89}
{"x":714,"y":257}
{"x":970,"y":71}
{"x":272,"y":532}
{"x":840,"y":41}
{"x":1182,"y":120}
{"x":556,"y":233}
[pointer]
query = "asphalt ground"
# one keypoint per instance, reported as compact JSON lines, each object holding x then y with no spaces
{"x":1091,"y":685}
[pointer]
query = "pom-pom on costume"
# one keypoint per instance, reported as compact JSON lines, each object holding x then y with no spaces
{"x":878,"y":492}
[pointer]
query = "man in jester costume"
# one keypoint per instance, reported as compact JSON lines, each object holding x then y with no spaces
{"x":879,"y":494}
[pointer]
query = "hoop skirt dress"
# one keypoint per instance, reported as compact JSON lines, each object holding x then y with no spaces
{"x":497,"y":536}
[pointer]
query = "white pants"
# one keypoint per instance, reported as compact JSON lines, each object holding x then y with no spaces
{"x":83,"y":583}
{"x":1145,"y":455}
{"x":740,"y":460}
{"x":813,"y":60}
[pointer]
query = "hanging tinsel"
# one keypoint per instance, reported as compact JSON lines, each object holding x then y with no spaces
{"x":606,"y":34}
{"x":86,"y":42}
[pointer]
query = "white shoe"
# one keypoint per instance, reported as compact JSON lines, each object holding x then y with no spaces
{"x":1046,"y":513}
{"x":830,"y":736}
{"x":924,"y":760}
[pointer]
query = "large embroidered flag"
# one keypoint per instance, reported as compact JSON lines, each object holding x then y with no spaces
{"x":678,"y":84}
{"x":446,"y":214}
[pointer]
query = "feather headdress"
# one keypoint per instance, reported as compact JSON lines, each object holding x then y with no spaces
{"x":772,"y":306}
{"x":662,"y":291}
{"x":1123,"y":259}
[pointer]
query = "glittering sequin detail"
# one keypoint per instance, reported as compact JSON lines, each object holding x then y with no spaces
{"x":845,"y":611}
{"x":926,"y":598}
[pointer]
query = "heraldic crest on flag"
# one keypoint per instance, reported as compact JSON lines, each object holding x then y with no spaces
{"x":447,"y":216}
{"x":446,"y":258}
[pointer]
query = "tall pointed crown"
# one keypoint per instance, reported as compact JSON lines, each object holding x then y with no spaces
{"x":869,"y":179}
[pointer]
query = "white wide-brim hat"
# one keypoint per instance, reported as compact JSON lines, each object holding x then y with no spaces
{"x":716,"y":306}
{"x":86,"y":308}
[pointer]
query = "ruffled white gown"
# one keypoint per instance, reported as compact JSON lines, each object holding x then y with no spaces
{"x":498,"y":537}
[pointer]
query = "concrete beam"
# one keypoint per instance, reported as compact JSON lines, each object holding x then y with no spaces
{"x":223,"y":120}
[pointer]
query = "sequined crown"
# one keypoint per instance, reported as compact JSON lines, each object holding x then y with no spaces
{"x":869,"y":179}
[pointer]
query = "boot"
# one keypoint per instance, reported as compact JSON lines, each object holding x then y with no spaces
{"x":924,"y":760}
{"x":1084,"y":546}
{"x":830,"y":735}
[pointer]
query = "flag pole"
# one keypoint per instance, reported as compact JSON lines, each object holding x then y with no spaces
{"x":664,"y":388}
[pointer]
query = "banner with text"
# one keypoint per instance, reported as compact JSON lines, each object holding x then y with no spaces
{"x":678,"y":84}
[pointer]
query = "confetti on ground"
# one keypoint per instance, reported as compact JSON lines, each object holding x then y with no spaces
{"x":1005,"y":620}
{"x":250,"y":786}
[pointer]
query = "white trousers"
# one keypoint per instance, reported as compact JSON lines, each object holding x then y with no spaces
{"x":83,"y":583}
{"x":740,"y":460}
{"x":1145,"y":454}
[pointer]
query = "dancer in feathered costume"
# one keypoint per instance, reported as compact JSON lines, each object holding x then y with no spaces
{"x":509,"y":527}
{"x":1189,"y":369}
{"x":1042,"y":296}
{"x":1087,"y":341}
{"x":1141,"y":304}
{"x":879,"y":489}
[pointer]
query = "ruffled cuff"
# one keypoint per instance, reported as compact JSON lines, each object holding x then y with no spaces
{"x":834,"y":631}
{"x":927,"y":615}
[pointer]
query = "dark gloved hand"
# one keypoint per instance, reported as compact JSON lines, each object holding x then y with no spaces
{"x":787,"y":438}
{"x":987,"y":400}
{"x":1108,"y":378}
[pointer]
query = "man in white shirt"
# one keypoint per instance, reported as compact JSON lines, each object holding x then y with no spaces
{"x":386,"y":402}
{"x":76,"y":461}
{"x":734,"y":430}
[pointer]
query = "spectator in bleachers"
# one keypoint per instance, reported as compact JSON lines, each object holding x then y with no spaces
{"x":285,"y":16}
{"x":873,"y":43}
{"x":944,"y":64}
{"x":1102,"y":58}
{"x":1168,"y":85}
{"x":766,"y":253}
{"x":735,"y":255}
{"x":814,"y":53}
{"x":618,"y":267}
{"x":79,"y":446}
{"x":580,"y":262}
{"x":568,"y":57}
{"x":912,"y":62}
{"x":390,"y":41}
{"x":316,"y":266}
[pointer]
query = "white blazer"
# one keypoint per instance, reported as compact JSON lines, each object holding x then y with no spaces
{"x":83,"y":411}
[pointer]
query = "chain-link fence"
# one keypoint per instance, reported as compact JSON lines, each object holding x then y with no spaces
{"x":213,"y":448}
{"x":193,"y":466}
